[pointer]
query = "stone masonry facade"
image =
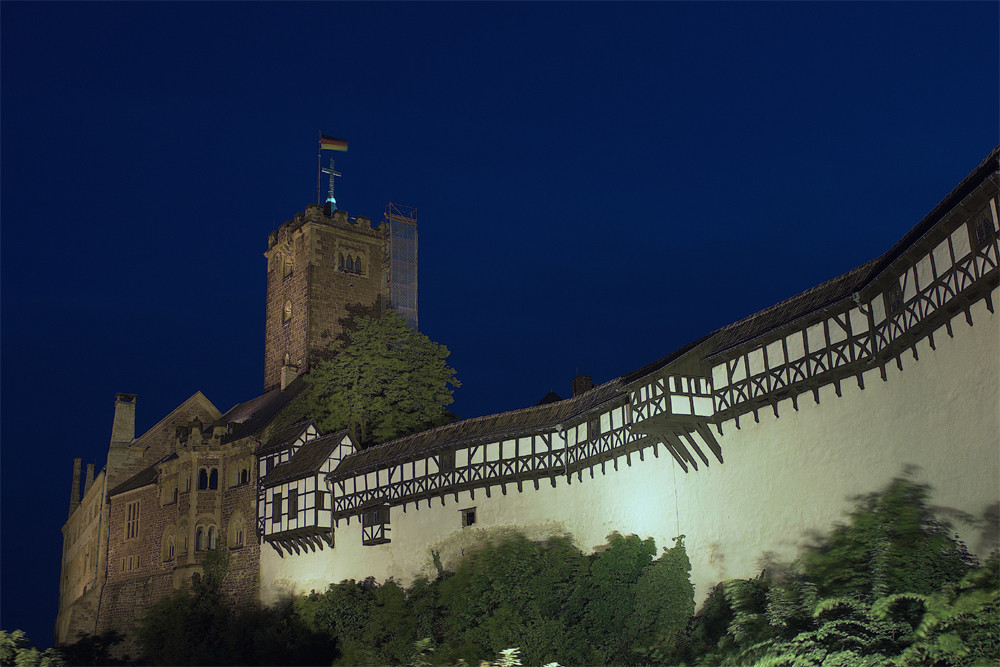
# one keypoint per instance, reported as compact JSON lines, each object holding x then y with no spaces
{"x":317,"y":266}
{"x":143,"y":527}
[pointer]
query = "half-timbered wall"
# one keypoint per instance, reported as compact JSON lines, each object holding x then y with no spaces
{"x":306,"y":514}
{"x":921,"y":293}
{"x":295,"y":514}
{"x":268,"y":461}
{"x":782,"y":478}
{"x":483,"y":468}
{"x":903,"y":377}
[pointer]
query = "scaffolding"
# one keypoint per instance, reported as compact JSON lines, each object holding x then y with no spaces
{"x":399,"y":264}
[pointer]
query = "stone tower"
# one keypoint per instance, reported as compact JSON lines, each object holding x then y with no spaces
{"x":317,"y":266}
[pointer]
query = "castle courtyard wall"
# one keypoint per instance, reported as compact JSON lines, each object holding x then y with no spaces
{"x":782,"y":479}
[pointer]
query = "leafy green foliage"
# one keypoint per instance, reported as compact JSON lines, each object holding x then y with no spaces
{"x":898,"y":590}
{"x":388,"y":381}
{"x":196,"y":626}
{"x":93,"y":649}
{"x":516,"y":593}
{"x":14,"y":650}
{"x":845,"y":604}
{"x":546,"y":599}
{"x":892,"y":543}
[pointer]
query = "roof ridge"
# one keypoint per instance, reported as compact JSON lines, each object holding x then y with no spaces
{"x":798,"y":295}
{"x":482,"y":418}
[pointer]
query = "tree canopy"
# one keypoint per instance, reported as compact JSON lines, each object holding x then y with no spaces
{"x":388,"y":381}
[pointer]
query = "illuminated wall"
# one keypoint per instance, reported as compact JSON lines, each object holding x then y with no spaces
{"x":828,"y":395}
{"x":781,"y":478}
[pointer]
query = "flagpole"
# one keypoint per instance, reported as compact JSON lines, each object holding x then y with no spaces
{"x":319,"y":163}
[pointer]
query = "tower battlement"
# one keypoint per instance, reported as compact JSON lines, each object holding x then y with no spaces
{"x":318,"y":266}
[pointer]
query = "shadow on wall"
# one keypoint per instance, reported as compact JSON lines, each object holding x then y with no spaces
{"x":987,"y":524}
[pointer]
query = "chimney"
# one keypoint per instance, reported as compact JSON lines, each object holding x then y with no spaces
{"x":123,"y":430}
{"x":582,"y":383}
{"x":74,"y":492}
{"x":288,"y":373}
{"x":90,"y":478}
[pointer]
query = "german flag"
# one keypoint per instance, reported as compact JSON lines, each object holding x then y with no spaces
{"x":328,"y":143}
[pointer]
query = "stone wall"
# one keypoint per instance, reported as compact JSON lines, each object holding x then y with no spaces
{"x":304,"y":270}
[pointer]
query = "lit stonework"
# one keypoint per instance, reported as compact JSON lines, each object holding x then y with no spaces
{"x":744,"y":441}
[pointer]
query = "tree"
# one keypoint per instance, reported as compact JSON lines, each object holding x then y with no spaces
{"x":387,"y":382}
{"x":14,"y":650}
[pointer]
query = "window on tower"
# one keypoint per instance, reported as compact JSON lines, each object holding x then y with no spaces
{"x":286,"y":266}
{"x":286,"y":315}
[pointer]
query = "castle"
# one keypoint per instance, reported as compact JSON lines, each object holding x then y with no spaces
{"x":744,"y":440}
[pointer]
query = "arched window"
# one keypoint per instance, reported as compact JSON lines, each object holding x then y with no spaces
{"x":287,"y":359}
{"x":237,"y":531}
{"x":213,"y":537}
{"x":202,"y":479}
{"x":167,"y":548}
{"x":245,"y":475}
{"x":213,"y":479}
{"x":287,"y":266}
{"x":350,"y":263}
{"x":357,"y":265}
{"x":182,"y":537}
{"x":286,"y":314}
{"x":200,"y":539}
{"x":340,"y":260}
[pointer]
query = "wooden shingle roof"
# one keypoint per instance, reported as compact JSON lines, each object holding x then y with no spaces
{"x":487,"y":428}
{"x":141,"y":478}
{"x":285,"y":437}
{"x":250,"y":417}
{"x":306,"y":461}
{"x":845,"y":285}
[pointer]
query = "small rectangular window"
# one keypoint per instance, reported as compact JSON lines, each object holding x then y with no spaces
{"x":893,"y":298}
{"x":446,"y":461}
{"x":375,"y":525}
{"x":468,"y":516}
{"x":293,"y":503}
{"x":320,"y":496}
{"x":983,"y":227}
{"x":276,"y":508}
{"x":593,"y":428}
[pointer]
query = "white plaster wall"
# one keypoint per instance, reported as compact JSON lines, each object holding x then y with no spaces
{"x":781,"y":479}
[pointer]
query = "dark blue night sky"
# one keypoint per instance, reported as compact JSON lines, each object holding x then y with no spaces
{"x":597,"y":185}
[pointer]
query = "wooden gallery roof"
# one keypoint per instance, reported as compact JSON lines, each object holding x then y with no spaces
{"x":781,"y":315}
{"x":489,"y":428}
